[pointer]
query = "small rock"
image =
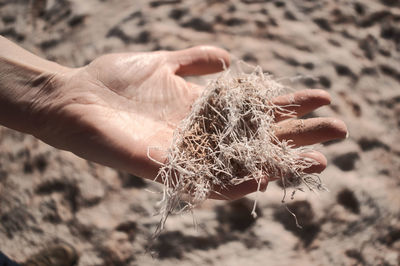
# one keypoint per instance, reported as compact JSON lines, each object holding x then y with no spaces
{"x":237,"y":214}
{"x":325,"y":81}
{"x":323,"y":24}
{"x":198,"y":24}
{"x":128,"y":227}
{"x":343,"y":70}
{"x":177,"y":13}
{"x":346,"y":161}
{"x":369,"y":45}
{"x":3,"y":175}
{"x":91,"y":189}
{"x":16,"y":220}
{"x":347,"y":199}
{"x":117,"y":250}
{"x":304,"y":217}
{"x":40,"y":162}
{"x":55,"y":209}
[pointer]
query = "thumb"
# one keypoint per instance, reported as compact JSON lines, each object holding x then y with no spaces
{"x":199,"y":60}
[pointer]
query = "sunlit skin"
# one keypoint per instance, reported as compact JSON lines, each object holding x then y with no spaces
{"x":113,"y":109}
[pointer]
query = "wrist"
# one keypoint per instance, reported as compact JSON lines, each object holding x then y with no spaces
{"x":25,"y":82}
{"x":21,"y":87}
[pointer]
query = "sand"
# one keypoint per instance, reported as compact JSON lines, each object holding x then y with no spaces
{"x":349,"y":48}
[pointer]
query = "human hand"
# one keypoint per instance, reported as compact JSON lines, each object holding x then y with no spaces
{"x":112,"y":110}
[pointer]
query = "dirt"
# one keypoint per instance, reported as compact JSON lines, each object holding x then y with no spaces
{"x":349,"y":48}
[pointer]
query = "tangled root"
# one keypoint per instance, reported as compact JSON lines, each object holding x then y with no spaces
{"x":227,"y":139}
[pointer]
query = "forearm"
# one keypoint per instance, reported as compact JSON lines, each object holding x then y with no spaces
{"x":23,"y":77}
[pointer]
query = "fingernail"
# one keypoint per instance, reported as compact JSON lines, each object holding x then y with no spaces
{"x":263,"y":185}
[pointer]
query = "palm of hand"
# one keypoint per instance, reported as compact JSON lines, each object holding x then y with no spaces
{"x":142,"y":96}
{"x":125,"y":104}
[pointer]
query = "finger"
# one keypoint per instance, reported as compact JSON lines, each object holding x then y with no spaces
{"x":320,"y":162}
{"x":236,"y":192}
{"x":199,"y":60}
{"x":239,"y":191}
{"x":300,"y":103}
{"x":311,"y":131}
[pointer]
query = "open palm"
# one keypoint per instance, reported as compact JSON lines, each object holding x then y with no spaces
{"x":112,"y":110}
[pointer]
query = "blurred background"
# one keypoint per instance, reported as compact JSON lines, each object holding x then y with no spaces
{"x":351,"y":48}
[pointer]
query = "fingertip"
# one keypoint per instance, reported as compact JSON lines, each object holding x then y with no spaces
{"x":263,"y":184}
{"x":340,"y":127}
{"x":302,"y":102}
{"x":216,"y":53}
{"x":199,"y":60}
{"x":324,"y":97}
{"x":234,"y":192}
{"x":313,"y":97}
{"x":319,"y":158}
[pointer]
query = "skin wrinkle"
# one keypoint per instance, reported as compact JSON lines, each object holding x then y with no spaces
{"x":127,"y":98}
{"x":37,"y":101}
{"x":134,"y":113}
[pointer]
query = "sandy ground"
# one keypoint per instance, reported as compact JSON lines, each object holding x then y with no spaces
{"x":349,"y":48}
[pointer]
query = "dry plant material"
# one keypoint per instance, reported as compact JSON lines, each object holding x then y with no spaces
{"x":228,"y":139}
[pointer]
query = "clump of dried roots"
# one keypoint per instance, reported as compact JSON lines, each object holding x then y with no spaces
{"x":227,"y":139}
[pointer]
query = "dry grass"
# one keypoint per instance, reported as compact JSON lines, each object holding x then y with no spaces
{"x":227,"y":139}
